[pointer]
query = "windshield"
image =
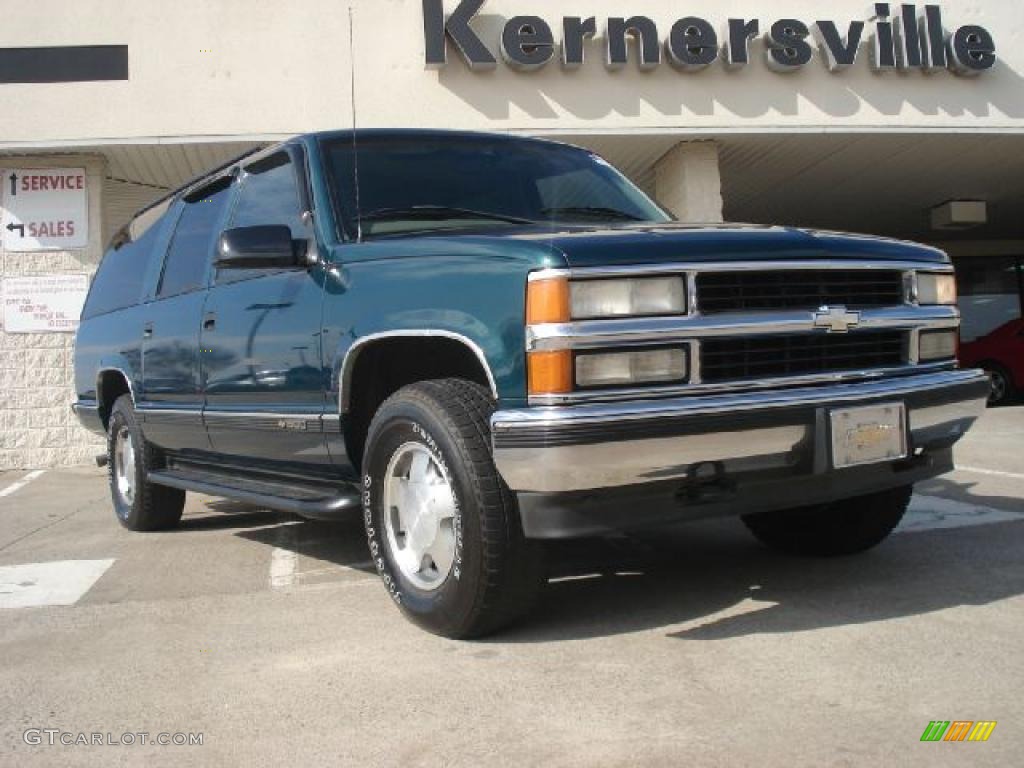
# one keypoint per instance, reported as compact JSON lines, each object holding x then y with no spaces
{"x":434,"y":183}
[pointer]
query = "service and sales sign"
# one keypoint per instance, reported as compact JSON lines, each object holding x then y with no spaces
{"x":44,"y":209}
{"x":43,"y":303}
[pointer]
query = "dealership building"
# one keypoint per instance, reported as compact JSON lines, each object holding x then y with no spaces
{"x":890,"y":119}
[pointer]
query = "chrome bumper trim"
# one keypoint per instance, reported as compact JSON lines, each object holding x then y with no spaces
{"x":560,"y":449}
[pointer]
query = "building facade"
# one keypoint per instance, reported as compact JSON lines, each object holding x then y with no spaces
{"x":894,"y":119}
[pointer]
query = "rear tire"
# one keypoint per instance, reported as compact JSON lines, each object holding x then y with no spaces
{"x":442,"y":526}
{"x":139,"y":504}
{"x":841,"y":528}
{"x":1001,"y":387}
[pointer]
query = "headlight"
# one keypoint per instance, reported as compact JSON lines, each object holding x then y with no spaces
{"x":937,"y":345}
{"x":552,"y":298}
{"x":935,"y":288}
{"x":592,"y":299}
{"x":616,"y":369}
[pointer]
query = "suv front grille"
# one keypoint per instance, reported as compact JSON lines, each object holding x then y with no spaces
{"x":761,"y":357}
{"x":798,"y":289}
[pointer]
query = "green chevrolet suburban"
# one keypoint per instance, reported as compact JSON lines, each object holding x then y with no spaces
{"x":487,"y":342}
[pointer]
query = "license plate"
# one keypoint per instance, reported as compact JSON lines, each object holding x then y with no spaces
{"x":869,"y":434}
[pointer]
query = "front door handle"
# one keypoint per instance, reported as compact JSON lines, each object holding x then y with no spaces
{"x":209,"y":322}
{"x":147,"y":331}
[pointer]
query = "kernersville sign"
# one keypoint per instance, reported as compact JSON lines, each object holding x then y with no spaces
{"x":903,"y":37}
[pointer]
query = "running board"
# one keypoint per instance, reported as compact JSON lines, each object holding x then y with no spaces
{"x":335,"y":507}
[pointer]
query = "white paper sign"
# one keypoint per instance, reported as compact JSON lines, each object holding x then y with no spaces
{"x":43,"y":303}
{"x":44,"y":209}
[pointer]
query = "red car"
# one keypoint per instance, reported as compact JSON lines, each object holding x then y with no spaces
{"x":1001,"y":354}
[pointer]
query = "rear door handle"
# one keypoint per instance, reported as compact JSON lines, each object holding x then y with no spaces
{"x":209,"y":322}
{"x":147,"y":331}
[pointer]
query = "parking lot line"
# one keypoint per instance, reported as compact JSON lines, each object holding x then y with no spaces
{"x":15,"y":487}
{"x":931,"y":512}
{"x":58,"y":583}
{"x":284,"y":560}
{"x":995,"y":472}
{"x":282,"y":568}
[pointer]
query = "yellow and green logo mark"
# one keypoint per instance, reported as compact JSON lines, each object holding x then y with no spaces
{"x":958,"y":730}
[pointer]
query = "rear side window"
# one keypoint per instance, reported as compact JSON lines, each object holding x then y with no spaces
{"x":189,"y":254}
{"x":269,"y":194}
{"x":120,"y":277}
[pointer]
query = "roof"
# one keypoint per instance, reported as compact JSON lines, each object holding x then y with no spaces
{"x":346,"y":135}
{"x":428,"y":133}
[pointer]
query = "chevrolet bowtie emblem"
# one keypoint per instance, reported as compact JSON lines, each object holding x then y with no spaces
{"x":836,"y":319}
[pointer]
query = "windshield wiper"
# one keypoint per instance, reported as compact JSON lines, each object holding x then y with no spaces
{"x":591,"y":211}
{"x":439,"y":213}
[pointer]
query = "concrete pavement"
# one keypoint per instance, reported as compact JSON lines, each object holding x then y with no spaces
{"x":273,"y":639}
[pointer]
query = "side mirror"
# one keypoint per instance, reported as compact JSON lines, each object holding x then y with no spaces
{"x":261,"y":247}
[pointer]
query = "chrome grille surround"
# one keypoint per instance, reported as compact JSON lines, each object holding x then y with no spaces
{"x":905,"y":316}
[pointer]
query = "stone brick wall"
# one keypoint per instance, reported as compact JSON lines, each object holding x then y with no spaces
{"x":37,"y":428}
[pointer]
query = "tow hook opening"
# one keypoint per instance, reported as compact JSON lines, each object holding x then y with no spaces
{"x":918,"y":458}
{"x":706,"y":482}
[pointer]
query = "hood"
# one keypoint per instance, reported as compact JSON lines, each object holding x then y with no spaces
{"x":674,"y":242}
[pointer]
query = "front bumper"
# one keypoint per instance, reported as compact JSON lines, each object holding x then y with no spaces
{"x":562,"y":454}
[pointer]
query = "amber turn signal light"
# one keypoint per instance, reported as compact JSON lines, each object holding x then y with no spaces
{"x":550,"y":372}
{"x":547,"y":301}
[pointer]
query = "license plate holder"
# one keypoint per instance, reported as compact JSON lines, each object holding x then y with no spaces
{"x":868,"y":434}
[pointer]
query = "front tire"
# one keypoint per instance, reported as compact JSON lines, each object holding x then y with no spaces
{"x":139,"y":504}
{"x":442,"y":526}
{"x":844,"y":527}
